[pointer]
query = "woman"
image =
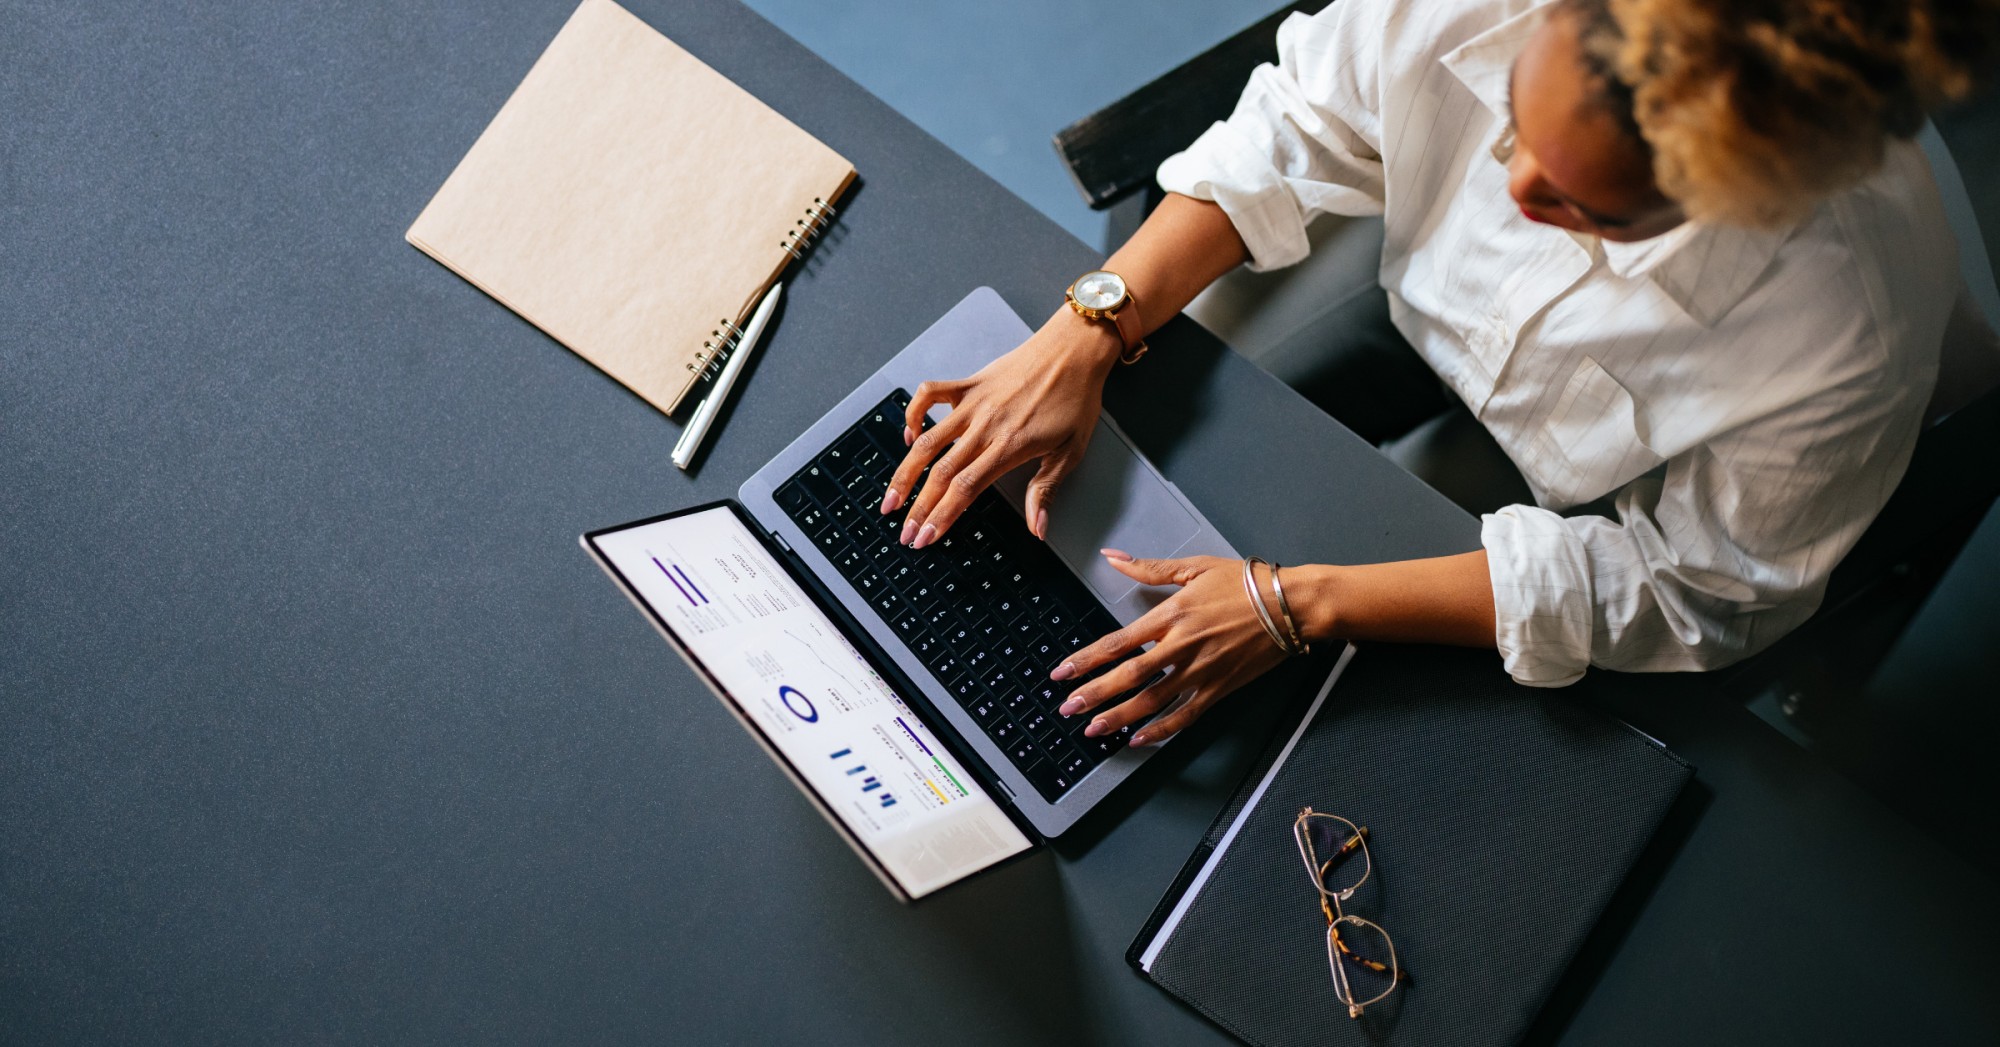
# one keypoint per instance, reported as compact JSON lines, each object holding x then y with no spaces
{"x":1679,"y":252}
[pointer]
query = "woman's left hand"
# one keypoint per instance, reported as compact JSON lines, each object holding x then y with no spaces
{"x":1207,"y":634}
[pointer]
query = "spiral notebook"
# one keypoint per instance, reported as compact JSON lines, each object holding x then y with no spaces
{"x":633,"y":203}
{"x":1501,"y":821}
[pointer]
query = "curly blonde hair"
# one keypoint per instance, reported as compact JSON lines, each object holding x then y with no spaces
{"x":1755,"y":110}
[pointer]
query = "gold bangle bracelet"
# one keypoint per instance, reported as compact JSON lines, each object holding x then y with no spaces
{"x":1299,"y":646}
{"x":1257,"y":601}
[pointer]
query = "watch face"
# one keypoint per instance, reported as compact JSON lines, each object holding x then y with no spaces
{"x":1099,"y":290}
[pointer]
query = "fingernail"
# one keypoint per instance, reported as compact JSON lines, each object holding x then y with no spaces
{"x":1116,"y":554}
{"x":925,"y":536}
{"x":1042,"y":524}
{"x":891,"y":501}
{"x":1139,"y":740}
{"x":909,"y":436}
{"x":1071,"y":707}
{"x":909,"y":529}
{"x":1096,"y":728}
{"x":1064,"y":671}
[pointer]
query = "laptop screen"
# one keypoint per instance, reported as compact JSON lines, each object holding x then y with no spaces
{"x":847,"y":736}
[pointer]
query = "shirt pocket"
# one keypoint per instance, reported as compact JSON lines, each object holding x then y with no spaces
{"x":1594,"y":439}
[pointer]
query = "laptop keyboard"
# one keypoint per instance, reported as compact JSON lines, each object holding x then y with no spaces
{"x":989,"y":609}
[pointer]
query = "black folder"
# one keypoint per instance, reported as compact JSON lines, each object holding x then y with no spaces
{"x":1501,"y":818}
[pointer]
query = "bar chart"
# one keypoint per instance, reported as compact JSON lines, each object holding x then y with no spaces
{"x":869,"y":783}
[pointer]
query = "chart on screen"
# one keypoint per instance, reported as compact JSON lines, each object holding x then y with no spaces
{"x":846,"y":733}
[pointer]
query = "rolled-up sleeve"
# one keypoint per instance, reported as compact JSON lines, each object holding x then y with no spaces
{"x":1305,"y":137}
{"x":1712,"y":562}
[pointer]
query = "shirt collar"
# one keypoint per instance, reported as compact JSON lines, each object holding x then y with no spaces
{"x":1484,"y":62}
{"x":1706,"y":269}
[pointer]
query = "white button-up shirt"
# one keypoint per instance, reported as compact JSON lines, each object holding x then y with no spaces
{"x":1753,"y":397}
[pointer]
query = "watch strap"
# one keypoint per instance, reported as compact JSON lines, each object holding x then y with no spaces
{"x":1131,"y":330}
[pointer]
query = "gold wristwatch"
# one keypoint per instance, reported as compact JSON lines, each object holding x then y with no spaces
{"x":1101,"y":295}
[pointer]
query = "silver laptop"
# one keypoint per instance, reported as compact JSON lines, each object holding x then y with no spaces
{"x":907,"y":692}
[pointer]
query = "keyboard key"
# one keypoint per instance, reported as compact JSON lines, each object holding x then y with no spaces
{"x":888,"y":603}
{"x":986,"y":710}
{"x":1047,"y":779}
{"x":877,"y":464}
{"x":965,"y":689}
{"x":850,"y":448}
{"x":1023,"y":749}
{"x":1076,"y":639}
{"x":863,"y":489}
{"x":819,"y":484}
{"x":886,"y":420}
{"x":903,"y":576}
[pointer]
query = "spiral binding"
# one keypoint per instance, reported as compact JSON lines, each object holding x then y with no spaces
{"x":715,"y":351}
{"x":724,"y":339}
{"x":818,"y":217}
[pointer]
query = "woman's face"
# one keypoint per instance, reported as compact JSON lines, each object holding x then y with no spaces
{"x":1574,"y":166}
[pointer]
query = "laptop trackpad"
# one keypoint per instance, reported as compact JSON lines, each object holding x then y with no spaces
{"x":1113,"y":500}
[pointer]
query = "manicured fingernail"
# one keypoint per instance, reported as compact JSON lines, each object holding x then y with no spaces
{"x":892,"y":501}
{"x":1116,"y":554}
{"x":1096,"y":728}
{"x":1139,"y":740}
{"x":925,"y":536}
{"x":1071,"y":707}
{"x":1042,"y":524}
{"x":1064,"y":671}
{"x":909,"y":436}
{"x":909,"y":529}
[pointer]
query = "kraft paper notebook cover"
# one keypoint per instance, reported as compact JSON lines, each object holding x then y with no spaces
{"x":632,"y":203}
{"x":1501,"y":820}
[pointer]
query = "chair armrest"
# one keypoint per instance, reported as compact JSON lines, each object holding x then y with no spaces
{"x":1114,"y":151}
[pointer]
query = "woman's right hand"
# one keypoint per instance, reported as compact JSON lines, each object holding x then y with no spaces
{"x":1039,"y":401}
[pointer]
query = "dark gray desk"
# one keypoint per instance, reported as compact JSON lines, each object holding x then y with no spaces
{"x":319,"y":727}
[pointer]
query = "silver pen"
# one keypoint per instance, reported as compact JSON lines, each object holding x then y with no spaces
{"x":704,"y":414}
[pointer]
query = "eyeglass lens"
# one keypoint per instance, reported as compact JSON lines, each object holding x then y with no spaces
{"x":1340,"y":860}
